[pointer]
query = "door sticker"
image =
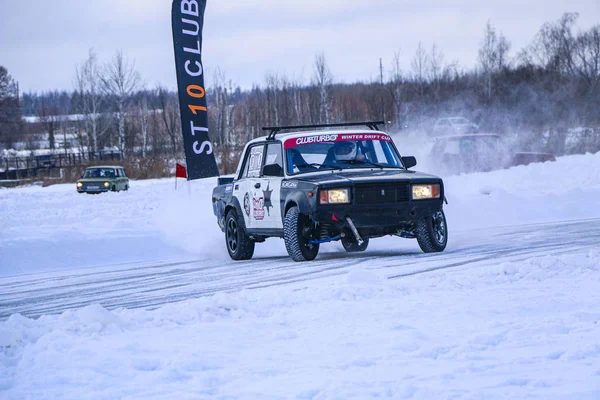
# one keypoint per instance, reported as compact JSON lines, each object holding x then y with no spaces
{"x":267,"y":197}
{"x":259,"y":208}
{"x":247,"y":204}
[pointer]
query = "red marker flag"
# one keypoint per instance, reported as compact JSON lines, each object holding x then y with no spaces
{"x":180,"y":171}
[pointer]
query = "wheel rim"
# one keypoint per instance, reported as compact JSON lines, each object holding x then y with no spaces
{"x":305,"y":234}
{"x":439,"y":227}
{"x":232,"y":235}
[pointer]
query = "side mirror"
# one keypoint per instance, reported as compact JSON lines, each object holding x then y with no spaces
{"x":272,"y":170}
{"x":409,"y":161}
{"x":224,"y":180}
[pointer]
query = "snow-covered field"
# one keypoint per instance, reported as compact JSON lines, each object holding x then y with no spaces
{"x":131,"y":295}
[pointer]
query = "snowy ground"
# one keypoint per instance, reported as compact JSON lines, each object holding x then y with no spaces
{"x":132,"y":295}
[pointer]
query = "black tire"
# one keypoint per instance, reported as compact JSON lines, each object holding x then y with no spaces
{"x":295,"y":235}
{"x":351,"y":245}
{"x":238,"y":243}
{"x":432,"y":232}
{"x":126,"y":188}
{"x":114,"y":188}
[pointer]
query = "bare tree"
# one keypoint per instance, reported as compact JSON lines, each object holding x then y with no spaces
{"x":437,"y":72}
{"x":396,"y":88}
{"x":587,"y":56}
{"x":169,"y":112}
{"x":554,"y":44}
{"x":323,"y":79}
{"x":119,"y":81}
{"x":10,"y":110}
{"x":221,"y":110}
{"x":272,"y":90}
{"x":419,"y":68}
{"x":89,"y":85}
{"x":492,"y":56}
{"x":49,"y":119}
{"x":143,"y":118}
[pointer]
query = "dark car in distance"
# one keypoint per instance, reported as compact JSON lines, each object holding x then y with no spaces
{"x":479,"y":152}
{"x":319,"y":186}
{"x":103,"y":178}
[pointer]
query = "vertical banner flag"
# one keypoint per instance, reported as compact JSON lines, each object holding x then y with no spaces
{"x":188,"y":21}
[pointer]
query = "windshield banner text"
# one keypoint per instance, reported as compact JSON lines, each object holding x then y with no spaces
{"x":336,"y":137}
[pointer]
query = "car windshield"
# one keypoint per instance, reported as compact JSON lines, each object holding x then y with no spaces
{"x":340,"y":151}
{"x":99,"y":173}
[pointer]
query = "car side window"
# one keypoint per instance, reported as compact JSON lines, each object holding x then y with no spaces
{"x":254,"y":162}
{"x":274,"y":154}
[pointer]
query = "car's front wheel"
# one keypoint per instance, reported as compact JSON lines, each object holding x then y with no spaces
{"x":432,"y":232}
{"x":297,"y":228}
{"x":239,"y":245}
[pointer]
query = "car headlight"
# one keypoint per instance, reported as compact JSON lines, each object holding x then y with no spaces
{"x":334,"y":196}
{"x":420,"y":192}
{"x":79,"y":184}
{"x":106,"y":184}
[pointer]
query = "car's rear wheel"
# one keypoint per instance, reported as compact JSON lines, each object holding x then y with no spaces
{"x":352,"y":246}
{"x":297,"y":230}
{"x":432,"y":232}
{"x":239,"y":245}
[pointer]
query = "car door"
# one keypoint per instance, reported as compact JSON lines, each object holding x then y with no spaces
{"x":244,"y":189}
{"x":267,"y":191}
{"x":125,"y":179}
{"x":118,"y":179}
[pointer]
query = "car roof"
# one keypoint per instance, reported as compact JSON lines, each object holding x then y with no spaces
{"x":104,"y":166}
{"x":467,"y":135}
{"x":293,"y":135}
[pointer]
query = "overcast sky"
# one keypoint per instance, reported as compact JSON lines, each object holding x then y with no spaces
{"x":41,"y":41}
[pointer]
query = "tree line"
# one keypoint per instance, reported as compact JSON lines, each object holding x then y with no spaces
{"x":547,"y":88}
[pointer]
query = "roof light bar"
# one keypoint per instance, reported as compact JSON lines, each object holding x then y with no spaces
{"x":274,"y":130}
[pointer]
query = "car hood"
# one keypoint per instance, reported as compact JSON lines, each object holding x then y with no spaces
{"x":372,"y":176}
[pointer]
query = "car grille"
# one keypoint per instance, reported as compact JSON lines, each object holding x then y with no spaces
{"x":382,"y":193}
{"x":93,"y":186}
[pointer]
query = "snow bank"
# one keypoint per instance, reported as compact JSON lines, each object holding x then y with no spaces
{"x":489,"y":333}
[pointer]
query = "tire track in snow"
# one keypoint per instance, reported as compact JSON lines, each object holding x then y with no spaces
{"x":149,"y":285}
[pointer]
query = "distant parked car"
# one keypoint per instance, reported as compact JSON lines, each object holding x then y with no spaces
{"x":453,"y":126}
{"x":480,"y":152}
{"x":98,"y":179}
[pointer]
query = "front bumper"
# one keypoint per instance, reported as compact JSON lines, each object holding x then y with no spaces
{"x":93,"y":189}
{"x":378,"y":216}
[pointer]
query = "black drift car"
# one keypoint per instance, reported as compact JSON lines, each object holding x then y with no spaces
{"x":313,"y":187}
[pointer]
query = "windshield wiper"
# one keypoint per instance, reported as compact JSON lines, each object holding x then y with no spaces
{"x":318,"y":166}
{"x":362,"y":162}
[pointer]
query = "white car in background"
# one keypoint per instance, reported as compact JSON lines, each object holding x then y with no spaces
{"x":454,"y":125}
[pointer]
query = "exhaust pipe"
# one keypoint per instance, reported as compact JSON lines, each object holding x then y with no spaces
{"x":359,"y":240}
